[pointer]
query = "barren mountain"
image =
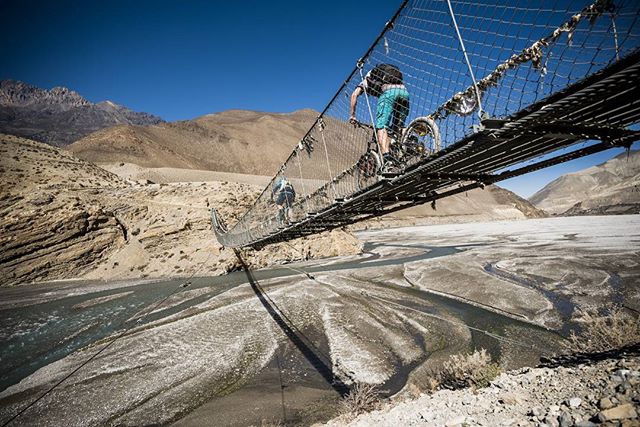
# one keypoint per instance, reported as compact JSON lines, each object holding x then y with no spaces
{"x":490,"y":204}
{"x":59,"y":116}
{"x":254,"y":143}
{"x":612,"y":187}
{"x":62,"y":217}
{"x":237,"y":141}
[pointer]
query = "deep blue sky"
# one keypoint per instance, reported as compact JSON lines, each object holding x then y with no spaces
{"x":180,"y":60}
{"x":183,"y":59}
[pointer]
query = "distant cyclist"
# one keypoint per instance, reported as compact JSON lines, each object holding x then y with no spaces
{"x":384,"y":82}
{"x":283,"y":195}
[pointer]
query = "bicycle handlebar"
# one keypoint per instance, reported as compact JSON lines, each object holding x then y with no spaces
{"x":361,"y":125}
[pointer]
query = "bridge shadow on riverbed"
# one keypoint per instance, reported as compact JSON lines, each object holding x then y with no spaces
{"x":320,"y":361}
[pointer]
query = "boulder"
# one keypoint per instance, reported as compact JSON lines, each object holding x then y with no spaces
{"x":620,"y":412}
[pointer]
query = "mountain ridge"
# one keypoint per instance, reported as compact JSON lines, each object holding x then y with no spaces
{"x":238,"y":141}
{"x":59,"y":116}
{"x":612,"y":187}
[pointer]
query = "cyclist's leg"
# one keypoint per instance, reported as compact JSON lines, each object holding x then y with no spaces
{"x":401,"y":110}
{"x":384,"y":116}
{"x":384,"y":110}
{"x":398,"y":99}
{"x":383,"y":139}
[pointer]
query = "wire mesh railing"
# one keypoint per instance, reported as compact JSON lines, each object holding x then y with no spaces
{"x":461,"y":61}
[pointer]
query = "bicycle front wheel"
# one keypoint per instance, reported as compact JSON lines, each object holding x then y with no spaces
{"x":367,"y":169}
{"x":422,"y":132}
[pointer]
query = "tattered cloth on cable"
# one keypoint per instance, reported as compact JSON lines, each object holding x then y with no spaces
{"x":465,"y":102}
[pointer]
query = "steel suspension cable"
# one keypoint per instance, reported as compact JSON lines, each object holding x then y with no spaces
{"x":326,"y":153}
{"x":466,"y":58}
{"x":375,"y":134}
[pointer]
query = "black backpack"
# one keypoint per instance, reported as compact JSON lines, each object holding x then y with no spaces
{"x":383,"y":74}
{"x":283,"y":187}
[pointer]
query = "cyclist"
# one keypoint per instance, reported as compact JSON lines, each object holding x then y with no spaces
{"x":283,"y":194}
{"x":384,"y":82}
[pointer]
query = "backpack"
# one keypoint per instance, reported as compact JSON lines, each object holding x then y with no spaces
{"x":282,"y":185}
{"x":383,"y":74}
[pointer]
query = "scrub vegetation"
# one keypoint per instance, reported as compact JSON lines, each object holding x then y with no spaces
{"x":604,"y":330}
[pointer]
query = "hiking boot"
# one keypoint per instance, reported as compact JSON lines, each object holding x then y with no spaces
{"x":390,"y":164}
{"x":388,"y":168}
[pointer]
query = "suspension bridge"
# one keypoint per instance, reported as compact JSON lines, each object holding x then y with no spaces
{"x":504,"y":89}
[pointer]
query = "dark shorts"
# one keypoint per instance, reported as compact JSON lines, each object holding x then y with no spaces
{"x":285,"y":198}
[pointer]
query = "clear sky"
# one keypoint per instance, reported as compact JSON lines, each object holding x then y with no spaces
{"x":183,"y":59}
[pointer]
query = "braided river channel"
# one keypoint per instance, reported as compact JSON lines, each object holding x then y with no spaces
{"x":285,"y":344}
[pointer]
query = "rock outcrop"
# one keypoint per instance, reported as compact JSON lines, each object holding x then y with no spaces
{"x":48,"y":231}
{"x":63,"y":217}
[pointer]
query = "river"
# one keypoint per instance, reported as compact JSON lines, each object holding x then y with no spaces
{"x":241,"y":349}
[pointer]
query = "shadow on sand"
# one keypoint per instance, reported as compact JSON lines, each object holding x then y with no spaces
{"x":318,"y":360}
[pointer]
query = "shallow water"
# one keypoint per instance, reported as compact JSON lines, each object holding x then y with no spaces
{"x":36,"y":335}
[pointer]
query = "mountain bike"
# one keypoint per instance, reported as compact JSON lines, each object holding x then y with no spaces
{"x":420,"y":139}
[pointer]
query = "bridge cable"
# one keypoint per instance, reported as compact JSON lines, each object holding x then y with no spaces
{"x":453,"y":322}
{"x":291,"y":325}
{"x":304,"y":192}
{"x":615,"y":35}
{"x":366,"y":97}
{"x":497,"y":337}
{"x":326,"y":153}
{"x":473,"y":328}
{"x":466,"y":58}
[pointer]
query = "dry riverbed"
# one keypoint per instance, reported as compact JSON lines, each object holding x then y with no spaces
{"x":226,"y":352}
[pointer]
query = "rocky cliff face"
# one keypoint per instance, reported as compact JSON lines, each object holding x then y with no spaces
{"x":59,"y":116}
{"x":46,"y":229}
{"x":62,"y":217}
{"x":610,"y":188}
